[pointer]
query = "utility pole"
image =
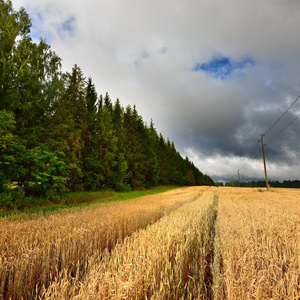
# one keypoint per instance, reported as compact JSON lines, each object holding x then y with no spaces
{"x":263,"y":154}
{"x":239,"y":178}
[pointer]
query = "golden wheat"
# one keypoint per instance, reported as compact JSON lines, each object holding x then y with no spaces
{"x":260,"y":244}
{"x":168,"y":260}
{"x":36,"y":251}
{"x":178,"y":245}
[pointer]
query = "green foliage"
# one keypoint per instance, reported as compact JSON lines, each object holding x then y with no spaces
{"x":28,"y":75}
{"x":12,"y":198}
{"x":48,"y":173}
{"x":7,"y":124}
{"x":11,"y":151}
{"x":121,"y":187}
{"x":233,"y":183}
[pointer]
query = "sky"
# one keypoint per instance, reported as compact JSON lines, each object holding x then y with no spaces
{"x":212,"y":74}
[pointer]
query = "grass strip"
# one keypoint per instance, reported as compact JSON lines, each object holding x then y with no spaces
{"x":77,"y":200}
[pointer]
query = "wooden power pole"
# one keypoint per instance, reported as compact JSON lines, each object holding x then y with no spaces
{"x":239,"y":178}
{"x":264,"y":159}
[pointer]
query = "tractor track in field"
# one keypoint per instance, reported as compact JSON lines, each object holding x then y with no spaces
{"x":214,"y":261}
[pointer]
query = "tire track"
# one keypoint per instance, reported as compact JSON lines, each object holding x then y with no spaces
{"x":214,"y":262}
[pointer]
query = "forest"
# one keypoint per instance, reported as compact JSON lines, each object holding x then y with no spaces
{"x":58,"y":135}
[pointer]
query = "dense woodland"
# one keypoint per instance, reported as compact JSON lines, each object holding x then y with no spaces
{"x":58,"y":135}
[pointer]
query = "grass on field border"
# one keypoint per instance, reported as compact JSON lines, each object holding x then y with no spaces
{"x":77,"y":200}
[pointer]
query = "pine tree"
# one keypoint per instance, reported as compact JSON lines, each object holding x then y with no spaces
{"x":106,"y":155}
{"x":108,"y":103}
{"x":69,"y":124}
{"x":89,"y":135}
{"x":122,"y":166}
{"x":152,"y":173}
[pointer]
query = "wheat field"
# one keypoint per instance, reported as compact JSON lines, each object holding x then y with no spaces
{"x":35,"y":250}
{"x":260,"y":244}
{"x":188,"y":243}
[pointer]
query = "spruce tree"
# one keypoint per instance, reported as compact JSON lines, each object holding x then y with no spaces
{"x":69,"y":124}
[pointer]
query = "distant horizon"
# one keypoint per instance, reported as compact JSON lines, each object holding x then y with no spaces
{"x":255,"y":180}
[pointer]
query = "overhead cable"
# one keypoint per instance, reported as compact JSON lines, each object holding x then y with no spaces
{"x":282,"y":115}
{"x":282,"y":130}
{"x":253,"y":151}
{"x":251,"y":155}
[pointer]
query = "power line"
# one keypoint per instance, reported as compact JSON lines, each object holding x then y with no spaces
{"x":282,"y":130}
{"x":282,"y":115}
{"x":265,"y":167}
{"x":251,"y":155}
{"x":255,"y":147}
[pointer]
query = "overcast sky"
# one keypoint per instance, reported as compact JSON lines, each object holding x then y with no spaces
{"x":212,"y":74}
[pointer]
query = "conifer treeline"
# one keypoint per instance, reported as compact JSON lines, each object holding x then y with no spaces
{"x":56,"y":134}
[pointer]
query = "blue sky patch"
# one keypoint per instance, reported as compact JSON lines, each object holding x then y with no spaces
{"x":223,"y":67}
{"x":163,"y":50}
{"x":69,"y":24}
{"x":67,"y":28}
{"x":36,"y":33}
